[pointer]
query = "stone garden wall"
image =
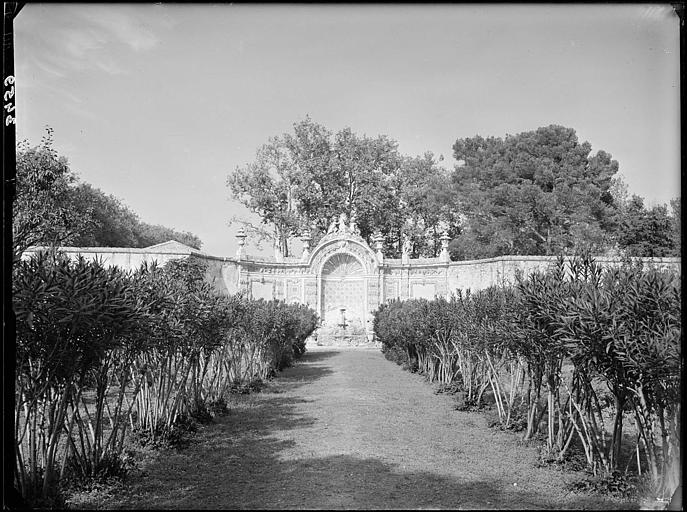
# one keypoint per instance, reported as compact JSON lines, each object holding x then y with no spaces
{"x":343,"y":279}
{"x":289,"y":281}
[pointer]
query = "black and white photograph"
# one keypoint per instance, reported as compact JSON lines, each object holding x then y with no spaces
{"x":342,"y":256}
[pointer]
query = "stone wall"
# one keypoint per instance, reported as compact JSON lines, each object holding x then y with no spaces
{"x":124,"y":258}
{"x":320,"y":279}
{"x":295,"y":281}
{"x":343,"y":279}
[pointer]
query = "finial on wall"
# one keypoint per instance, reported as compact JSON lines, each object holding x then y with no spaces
{"x":445,"y":239}
{"x":241,"y":237}
{"x":378,"y":240}
{"x":306,"y":238}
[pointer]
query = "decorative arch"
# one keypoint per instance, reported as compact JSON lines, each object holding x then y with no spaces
{"x":347,"y":278}
{"x":351,"y":245}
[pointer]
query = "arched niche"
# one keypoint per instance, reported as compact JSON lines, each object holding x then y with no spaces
{"x":342,"y":264}
{"x":350,"y":245}
{"x":347,"y":278}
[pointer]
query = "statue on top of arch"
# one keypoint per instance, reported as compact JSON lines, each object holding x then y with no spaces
{"x":352,"y":227}
{"x":332,"y":226}
{"x":342,"y":223}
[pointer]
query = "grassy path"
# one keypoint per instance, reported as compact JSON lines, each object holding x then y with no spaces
{"x":348,"y":429}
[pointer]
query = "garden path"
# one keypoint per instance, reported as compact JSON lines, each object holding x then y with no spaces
{"x":347,"y":429}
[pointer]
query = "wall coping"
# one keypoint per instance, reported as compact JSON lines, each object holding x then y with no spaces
{"x":617,"y":259}
{"x":396,"y":263}
{"x":119,"y":250}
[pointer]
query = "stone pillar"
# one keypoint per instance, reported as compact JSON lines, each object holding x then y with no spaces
{"x":319,"y":295}
{"x":445,"y":239}
{"x":241,"y":237}
{"x":404,"y":284}
{"x":310,"y":292}
{"x":244,"y":283}
{"x":306,"y":238}
{"x":371,"y":304}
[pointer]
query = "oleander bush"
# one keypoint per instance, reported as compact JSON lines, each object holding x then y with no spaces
{"x":567,"y":355}
{"x":75,"y":322}
{"x":102,"y":353}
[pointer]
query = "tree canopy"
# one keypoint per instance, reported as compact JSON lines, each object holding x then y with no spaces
{"x":649,"y":232}
{"x":538,"y":193}
{"x":113,"y":224}
{"x":42,"y":209}
{"x":303,"y":180}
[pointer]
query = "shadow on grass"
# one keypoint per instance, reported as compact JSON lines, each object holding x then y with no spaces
{"x":257,"y":420}
{"x":319,"y":355}
{"x":304,"y":371}
{"x":250,"y":475}
{"x":240,"y":463}
{"x":302,"y":374}
{"x":244,"y":462}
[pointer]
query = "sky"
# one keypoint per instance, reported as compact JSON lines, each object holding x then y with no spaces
{"x":157,"y":104}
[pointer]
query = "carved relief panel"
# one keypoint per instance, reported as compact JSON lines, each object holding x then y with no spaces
{"x":347,"y":295}
{"x":373,"y":298}
{"x":310,"y":292}
{"x":293,"y":290}
{"x":390,"y":290}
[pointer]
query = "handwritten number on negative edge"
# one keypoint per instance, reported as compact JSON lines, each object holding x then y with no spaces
{"x":9,"y":81}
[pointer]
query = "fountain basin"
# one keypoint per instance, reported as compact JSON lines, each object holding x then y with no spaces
{"x":335,"y":336}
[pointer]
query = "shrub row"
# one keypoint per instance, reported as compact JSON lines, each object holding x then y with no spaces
{"x":102,"y":352}
{"x":567,"y":354}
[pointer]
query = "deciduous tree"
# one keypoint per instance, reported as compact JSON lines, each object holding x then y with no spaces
{"x":267,"y":187}
{"x":427,"y":205}
{"x":307,"y":178}
{"x":42,"y":210}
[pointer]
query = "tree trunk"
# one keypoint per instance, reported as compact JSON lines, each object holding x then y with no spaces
{"x":617,"y":439}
